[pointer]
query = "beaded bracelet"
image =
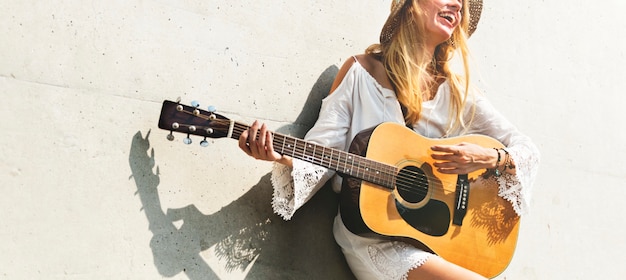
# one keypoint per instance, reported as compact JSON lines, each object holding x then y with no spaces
{"x":507,"y":159}
{"x":496,"y":171}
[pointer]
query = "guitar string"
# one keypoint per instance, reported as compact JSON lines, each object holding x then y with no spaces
{"x":402,"y":183}
{"x":317,"y":158}
{"x":402,"y":180}
{"x":408,"y":182}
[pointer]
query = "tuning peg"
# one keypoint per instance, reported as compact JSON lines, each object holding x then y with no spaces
{"x":204,"y":143}
{"x":195,"y":104}
{"x":187,"y":140}
{"x":212,"y":109}
{"x":170,"y":136}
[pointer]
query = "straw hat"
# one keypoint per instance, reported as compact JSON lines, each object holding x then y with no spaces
{"x":475,"y":9}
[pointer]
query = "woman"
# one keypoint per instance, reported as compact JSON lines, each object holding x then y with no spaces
{"x":405,"y":79}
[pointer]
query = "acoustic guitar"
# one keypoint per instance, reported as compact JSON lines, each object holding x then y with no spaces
{"x":391,"y":190}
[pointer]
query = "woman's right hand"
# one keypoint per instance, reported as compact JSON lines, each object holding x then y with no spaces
{"x":257,"y":142}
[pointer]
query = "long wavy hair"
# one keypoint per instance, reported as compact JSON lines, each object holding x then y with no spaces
{"x":413,"y":71}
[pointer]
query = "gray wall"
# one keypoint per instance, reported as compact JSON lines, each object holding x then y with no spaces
{"x":91,"y":189}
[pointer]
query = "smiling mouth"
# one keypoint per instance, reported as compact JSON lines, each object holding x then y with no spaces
{"x":448,"y":16}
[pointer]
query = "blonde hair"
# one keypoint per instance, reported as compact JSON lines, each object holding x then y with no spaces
{"x":409,"y":66}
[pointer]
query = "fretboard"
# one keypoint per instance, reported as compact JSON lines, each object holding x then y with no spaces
{"x":353,"y":165}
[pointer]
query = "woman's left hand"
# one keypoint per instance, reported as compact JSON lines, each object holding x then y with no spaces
{"x":463,"y":158}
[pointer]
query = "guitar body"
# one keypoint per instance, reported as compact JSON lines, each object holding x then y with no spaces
{"x":485,"y":239}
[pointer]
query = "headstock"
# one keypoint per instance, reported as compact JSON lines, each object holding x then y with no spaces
{"x":192,"y":120}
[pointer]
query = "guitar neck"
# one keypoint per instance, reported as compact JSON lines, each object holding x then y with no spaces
{"x":343,"y":162}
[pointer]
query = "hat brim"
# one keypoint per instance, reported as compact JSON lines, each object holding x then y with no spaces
{"x":475,"y":10}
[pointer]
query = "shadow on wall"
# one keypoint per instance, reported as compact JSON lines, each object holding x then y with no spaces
{"x":246,"y":231}
{"x":311,"y":109}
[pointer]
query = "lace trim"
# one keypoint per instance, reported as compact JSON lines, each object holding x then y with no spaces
{"x":395,"y":259}
{"x":294,"y":186}
{"x":517,"y":188}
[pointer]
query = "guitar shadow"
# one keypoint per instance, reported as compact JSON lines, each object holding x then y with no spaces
{"x":245,"y":234}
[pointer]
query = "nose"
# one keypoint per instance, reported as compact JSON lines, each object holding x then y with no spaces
{"x":454,"y":7}
{"x":457,"y":5}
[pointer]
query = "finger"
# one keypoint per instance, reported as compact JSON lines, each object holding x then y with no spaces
{"x":270,"y":147}
{"x":449,"y":168}
{"x":253,"y":139}
{"x":444,"y":149}
{"x":450,"y":171}
{"x":443,"y":157}
{"x":262,"y":137}
{"x":446,"y":165}
{"x":252,"y":132}
{"x":243,"y":142}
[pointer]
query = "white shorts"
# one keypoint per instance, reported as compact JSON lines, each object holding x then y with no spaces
{"x":372,"y":258}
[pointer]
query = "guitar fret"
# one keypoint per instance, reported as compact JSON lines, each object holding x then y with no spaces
{"x":359,"y":169}
{"x":352,"y":166}
{"x":344,"y":162}
{"x":310,"y":157}
{"x":304,"y":153}
{"x":303,"y":148}
{"x":377,"y":175}
{"x":318,"y":159}
{"x":354,"y":169}
{"x":391,"y":174}
{"x":323,"y":155}
{"x":341,"y":161}
{"x":386,"y":174}
{"x":282,"y":150}
{"x":368,"y":171}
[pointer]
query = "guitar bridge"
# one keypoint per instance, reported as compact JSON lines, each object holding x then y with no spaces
{"x":461,"y":200}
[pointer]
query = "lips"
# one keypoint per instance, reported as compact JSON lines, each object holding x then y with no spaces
{"x":448,"y":16}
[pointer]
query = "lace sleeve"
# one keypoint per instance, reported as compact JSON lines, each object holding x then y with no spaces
{"x":526,"y":158}
{"x":517,"y":188}
{"x":293,"y":187}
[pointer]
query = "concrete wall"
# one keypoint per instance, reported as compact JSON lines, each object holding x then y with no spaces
{"x":91,"y":189}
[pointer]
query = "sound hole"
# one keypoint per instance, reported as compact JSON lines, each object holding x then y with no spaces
{"x":412,"y":185}
{"x":415,"y":204}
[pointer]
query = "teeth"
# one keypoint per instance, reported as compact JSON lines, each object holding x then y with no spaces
{"x":448,"y":16}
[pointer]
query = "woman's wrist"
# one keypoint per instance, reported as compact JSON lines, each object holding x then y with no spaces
{"x":503,"y":162}
{"x":286,"y":160}
{"x":497,"y":165}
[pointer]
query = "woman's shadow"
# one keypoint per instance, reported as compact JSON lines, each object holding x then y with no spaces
{"x":244,"y":234}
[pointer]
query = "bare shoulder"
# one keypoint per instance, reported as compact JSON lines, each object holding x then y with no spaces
{"x":370,"y":63}
{"x":375,"y":67}
{"x":342,"y":73}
